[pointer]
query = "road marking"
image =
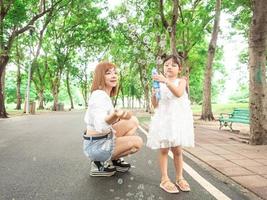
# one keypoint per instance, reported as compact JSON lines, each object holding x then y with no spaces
{"x":203,"y":182}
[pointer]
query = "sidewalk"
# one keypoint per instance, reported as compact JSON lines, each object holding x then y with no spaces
{"x":227,"y":153}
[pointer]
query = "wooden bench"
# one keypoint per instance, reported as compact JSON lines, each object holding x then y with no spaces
{"x":238,"y":116}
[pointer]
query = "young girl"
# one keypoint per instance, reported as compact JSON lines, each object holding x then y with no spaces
{"x":110,"y":132}
{"x":171,"y":126}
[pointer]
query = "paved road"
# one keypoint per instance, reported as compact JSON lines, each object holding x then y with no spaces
{"x":41,"y":158}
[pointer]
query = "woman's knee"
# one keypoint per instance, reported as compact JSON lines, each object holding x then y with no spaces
{"x":137,"y":142}
{"x":134,"y":121}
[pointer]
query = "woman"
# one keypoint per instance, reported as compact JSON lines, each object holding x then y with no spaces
{"x":110,"y":132}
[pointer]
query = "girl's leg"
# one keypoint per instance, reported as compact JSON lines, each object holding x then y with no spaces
{"x":126,"y":127}
{"x":126,"y":145}
{"x":165,"y":184}
{"x":163,"y":163}
{"x":178,"y":163}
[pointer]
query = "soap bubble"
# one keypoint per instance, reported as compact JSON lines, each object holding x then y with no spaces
{"x":120,"y":181}
{"x":146,"y":39}
{"x":152,"y":5}
{"x":162,"y":44}
{"x":141,"y":187}
{"x":129,"y":194}
{"x":158,"y":17}
{"x":125,"y":27}
{"x":150,"y":25}
{"x":135,"y":50}
{"x":134,"y":38}
{"x":169,"y":29}
{"x":143,"y":62}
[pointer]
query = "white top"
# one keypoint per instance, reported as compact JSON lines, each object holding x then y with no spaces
{"x":99,"y":106}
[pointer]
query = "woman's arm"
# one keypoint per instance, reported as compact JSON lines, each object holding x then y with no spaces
{"x":99,"y":106}
{"x":116,"y":115}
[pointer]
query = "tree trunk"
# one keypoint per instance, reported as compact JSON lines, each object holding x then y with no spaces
{"x":257,"y":74}
{"x":68,"y":89}
{"x":145,"y":85}
{"x":55,"y":91}
{"x":18,"y":107}
{"x":171,"y":27}
{"x":147,"y":99}
{"x":3,"y":62}
{"x":206,"y":99}
{"x":173,"y":41}
{"x":122,"y":97}
{"x":41,"y":100}
{"x":117,"y":95}
{"x":55,"y":95}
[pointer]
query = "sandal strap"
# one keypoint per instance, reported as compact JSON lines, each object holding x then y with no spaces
{"x":165,"y":180}
{"x":182,"y":179}
{"x":184,"y":182}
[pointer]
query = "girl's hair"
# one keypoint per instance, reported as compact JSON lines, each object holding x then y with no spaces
{"x":179,"y":63}
{"x":175,"y":59}
{"x":99,"y":77}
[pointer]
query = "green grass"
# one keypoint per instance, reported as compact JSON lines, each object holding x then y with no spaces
{"x":144,"y":119}
{"x":220,"y":108}
{"x":216,"y":109}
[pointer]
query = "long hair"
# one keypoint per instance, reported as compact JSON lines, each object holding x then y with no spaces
{"x":99,"y":77}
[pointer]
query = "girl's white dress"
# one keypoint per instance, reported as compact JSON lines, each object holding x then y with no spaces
{"x":172,"y":123}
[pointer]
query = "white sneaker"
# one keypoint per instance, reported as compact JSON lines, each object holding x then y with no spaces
{"x":102,"y":169}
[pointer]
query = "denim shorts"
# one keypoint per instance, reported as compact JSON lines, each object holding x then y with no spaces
{"x":99,"y":150}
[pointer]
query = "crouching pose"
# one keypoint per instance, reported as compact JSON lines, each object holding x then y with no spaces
{"x":110,"y":133}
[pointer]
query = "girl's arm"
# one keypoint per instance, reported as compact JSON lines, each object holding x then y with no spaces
{"x":177,"y":91}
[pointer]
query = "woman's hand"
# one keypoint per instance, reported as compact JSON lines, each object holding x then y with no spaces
{"x":159,"y":78}
{"x":123,"y":114}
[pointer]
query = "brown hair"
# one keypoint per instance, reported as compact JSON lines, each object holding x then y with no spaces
{"x":175,"y":59}
{"x":99,"y":77}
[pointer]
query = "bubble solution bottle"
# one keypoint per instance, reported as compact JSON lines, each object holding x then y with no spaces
{"x":156,"y":84}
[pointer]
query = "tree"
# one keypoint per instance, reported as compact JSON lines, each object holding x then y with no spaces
{"x":13,"y":22}
{"x":206,"y":104}
{"x":171,"y":27}
{"x":257,"y":73}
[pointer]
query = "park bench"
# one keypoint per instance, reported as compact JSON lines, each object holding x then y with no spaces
{"x":238,"y":116}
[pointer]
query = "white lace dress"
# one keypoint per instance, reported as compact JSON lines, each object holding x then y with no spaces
{"x":172,"y":123}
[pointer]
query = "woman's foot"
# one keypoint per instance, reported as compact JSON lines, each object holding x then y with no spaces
{"x":183,"y":185}
{"x":168,"y":186}
{"x":121,"y":165}
{"x":102,"y":169}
